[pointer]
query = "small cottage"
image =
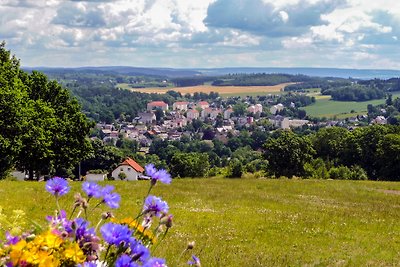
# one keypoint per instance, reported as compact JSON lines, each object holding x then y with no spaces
{"x":128,"y":170}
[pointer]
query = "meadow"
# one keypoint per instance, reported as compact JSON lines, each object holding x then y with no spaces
{"x":257,"y":222}
{"x":325,"y":107}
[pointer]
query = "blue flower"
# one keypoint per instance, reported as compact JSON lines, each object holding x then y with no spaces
{"x":92,"y":189}
{"x":195,"y":262}
{"x":155,"y":262}
{"x":11,"y":240}
{"x":155,"y":206}
{"x":125,"y":261}
{"x":116,"y":234}
{"x":82,"y":229}
{"x":60,"y":220}
{"x":57,"y":186}
{"x":139,"y":252}
{"x":162,"y":176}
{"x":111,"y":199}
{"x":150,"y":169}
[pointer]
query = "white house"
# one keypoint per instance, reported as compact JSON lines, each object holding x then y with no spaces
{"x":130,"y":168}
{"x":276,"y":108}
{"x":227,"y":113}
{"x":203,"y":104}
{"x":96,"y":177}
{"x":192,"y":114}
{"x":180,"y":106}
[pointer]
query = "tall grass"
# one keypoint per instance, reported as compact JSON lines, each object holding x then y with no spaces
{"x":258,"y":222}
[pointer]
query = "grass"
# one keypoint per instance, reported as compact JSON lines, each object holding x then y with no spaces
{"x":325,"y":107}
{"x":249,"y":222}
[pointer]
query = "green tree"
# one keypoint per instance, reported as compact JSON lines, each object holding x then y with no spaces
{"x":189,"y":164}
{"x":329,"y":143}
{"x":235,"y":169}
{"x":388,"y":152}
{"x":288,"y":153}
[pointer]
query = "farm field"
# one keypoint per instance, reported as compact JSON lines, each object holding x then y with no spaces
{"x":325,"y":107}
{"x":257,"y":222}
{"x":222,"y":90}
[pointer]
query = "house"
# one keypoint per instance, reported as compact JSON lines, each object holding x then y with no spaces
{"x":96,"y":177}
{"x":227,"y":113}
{"x":203,"y":104}
{"x":276,"y":108}
{"x":192,"y":114}
{"x":214,"y":113}
{"x":180,"y":106}
{"x":379,"y":120}
{"x":146,"y":117}
{"x":280,"y":122}
{"x":258,"y":108}
{"x":157,"y":104}
{"x":206,"y":112}
{"x":128,"y":168}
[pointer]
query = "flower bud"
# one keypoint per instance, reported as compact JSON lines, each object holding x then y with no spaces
{"x":107,"y":215}
{"x":190,"y":245}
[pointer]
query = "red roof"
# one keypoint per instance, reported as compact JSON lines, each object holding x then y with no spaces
{"x":133,"y":164}
{"x":158,"y":103}
{"x":181,"y":103}
{"x":203,"y":103}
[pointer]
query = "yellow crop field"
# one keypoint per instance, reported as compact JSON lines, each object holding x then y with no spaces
{"x":222,"y":90}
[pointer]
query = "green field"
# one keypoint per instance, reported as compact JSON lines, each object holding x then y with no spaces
{"x":325,"y":107}
{"x":249,"y":222}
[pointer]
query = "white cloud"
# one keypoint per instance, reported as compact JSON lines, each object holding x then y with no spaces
{"x":180,"y":33}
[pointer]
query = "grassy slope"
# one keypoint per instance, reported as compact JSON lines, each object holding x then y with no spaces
{"x":324,"y":107}
{"x":259,"y":222}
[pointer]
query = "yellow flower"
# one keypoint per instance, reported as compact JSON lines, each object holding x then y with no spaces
{"x":74,"y":252}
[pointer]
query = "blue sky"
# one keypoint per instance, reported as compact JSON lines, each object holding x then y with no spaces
{"x":203,"y":33}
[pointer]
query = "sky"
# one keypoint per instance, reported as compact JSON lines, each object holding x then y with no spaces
{"x":203,"y":33}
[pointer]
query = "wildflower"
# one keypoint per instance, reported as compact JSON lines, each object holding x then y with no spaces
{"x":195,"y":262}
{"x":167,"y":220}
{"x":60,"y":222}
{"x":111,"y":199}
{"x":74,"y":252}
{"x":125,"y":261}
{"x":155,"y":262}
{"x":162,"y":176}
{"x":12,"y":240}
{"x":57,"y":186}
{"x":150,"y":169}
{"x":157,"y":175}
{"x":115,"y":234}
{"x":92,"y":189}
{"x":139,"y":252}
{"x":155,"y":206}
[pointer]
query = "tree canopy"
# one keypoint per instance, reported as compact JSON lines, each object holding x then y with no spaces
{"x":42,"y":128}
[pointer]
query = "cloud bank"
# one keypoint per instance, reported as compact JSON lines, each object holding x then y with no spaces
{"x":207,"y":33}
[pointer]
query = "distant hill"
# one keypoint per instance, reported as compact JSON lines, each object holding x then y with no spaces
{"x":173,"y":73}
{"x":316,"y":72}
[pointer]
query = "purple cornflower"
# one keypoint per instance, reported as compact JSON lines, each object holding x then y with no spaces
{"x":195,"y":261}
{"x":115,"y":234}
{"x":163,"y":176}
{"x":11,"y":240}
{"x":139,"y":252}
{"x":92,"y":189}
{"x":60,"y":222}
{"x":125,"y":261}
{"x":57,"y":186}
{"x":111,"y":199}
{"x":155,"y":262}
{"x":150,"y":169}
{"x":157,"y":175}
{"x":155,"y":206}
{"x":82,"y":229}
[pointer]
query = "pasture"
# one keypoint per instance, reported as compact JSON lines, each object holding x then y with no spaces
{"x":325,"y":107}
{"x":222,"y":90}
{"x":256,"y":222}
